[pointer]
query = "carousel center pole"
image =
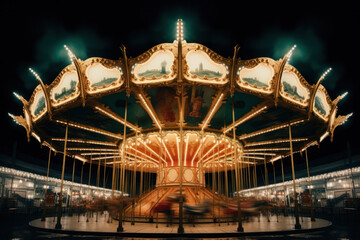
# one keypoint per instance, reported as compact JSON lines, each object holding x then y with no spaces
{"x":180,"y":38}
{"x":296,"y":210}
{"x":58,"y":222}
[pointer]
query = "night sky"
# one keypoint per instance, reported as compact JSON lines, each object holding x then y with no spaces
{"x":34,"y":35}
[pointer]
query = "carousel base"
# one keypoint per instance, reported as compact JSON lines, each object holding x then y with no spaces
{"x":78,"y":225}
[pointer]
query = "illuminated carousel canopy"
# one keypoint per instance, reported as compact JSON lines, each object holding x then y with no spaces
{"x":231,"y":109}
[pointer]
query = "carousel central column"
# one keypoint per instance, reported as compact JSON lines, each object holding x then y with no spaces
{"x":181,"y":116}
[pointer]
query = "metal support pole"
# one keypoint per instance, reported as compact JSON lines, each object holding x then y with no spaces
{"x":120,"y":226}
{"x":71,"y":189}
{"x":46,"y":187}
{"x":296,"y":210}
{"x":90,"y":170}
{"x":282,"y":173}
{"x":238,"y":181}
{"x":311,"y":200}
{"x":274,"y":173}
{"x":255,"y":175}
{"x":81,"y":177}
{"x":104,"y":178}
{"x":133,"y":191}
{"x":98,"y":175}
{"x":266,"y":173}
{"x":58,"y":223}
{"x":141,"y":184}
{"x":113,"y":182}
{"x":226,"y":185}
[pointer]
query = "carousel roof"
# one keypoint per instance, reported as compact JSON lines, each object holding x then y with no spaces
{"x":266,"y":95}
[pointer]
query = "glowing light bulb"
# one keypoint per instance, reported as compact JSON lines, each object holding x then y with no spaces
{"x":344,"y":95}
{"x":288,"y":55}
{"x":35,"y":74}
{"x":17,"y":95}
{"x":179,"y":30}
{"x":70,"y":53}
{"x":325,"y":73}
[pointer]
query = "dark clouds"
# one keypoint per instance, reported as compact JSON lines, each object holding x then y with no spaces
{"x":50,"y":56}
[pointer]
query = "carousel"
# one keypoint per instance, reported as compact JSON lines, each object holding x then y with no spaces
{"x":179,"y":130}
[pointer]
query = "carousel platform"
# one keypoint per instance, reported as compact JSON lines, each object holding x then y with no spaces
{"x":78,"y":225}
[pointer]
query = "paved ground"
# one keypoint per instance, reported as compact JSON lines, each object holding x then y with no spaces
{"x":80,"y":225}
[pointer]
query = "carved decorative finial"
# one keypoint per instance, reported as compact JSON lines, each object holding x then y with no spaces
{"x":339,"y":120}
{"x":22,"y":122}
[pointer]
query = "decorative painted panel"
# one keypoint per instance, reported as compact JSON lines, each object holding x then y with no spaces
{"x":102,"y":78}
{"x":258,"y":77}
{"x":172,"y":175}
{"x":292,"y":89}
{"x":201,"y":68}
{"x":159,"y":67}
{"x":321,"y":106}
{"x":66,"y":89}
{"x":165,"y":105}
{"x":198,"y":104}
{"x":38,"y":105}
{"x":189,"y":175}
